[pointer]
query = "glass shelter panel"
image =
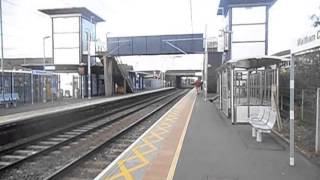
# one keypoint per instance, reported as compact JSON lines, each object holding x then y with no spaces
{"x":88,"y":32}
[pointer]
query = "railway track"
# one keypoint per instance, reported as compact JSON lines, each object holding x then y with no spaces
{"x":52,"y":156}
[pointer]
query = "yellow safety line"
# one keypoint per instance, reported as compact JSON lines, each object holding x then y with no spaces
{"x":179,"y":147}
{"x":124,"y":171}
{"x":141,"y":157}
{"x":149,"y":140}
{"x":137,"y":154}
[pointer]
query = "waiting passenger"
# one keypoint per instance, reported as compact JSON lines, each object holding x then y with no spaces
{"x":198,"y":85}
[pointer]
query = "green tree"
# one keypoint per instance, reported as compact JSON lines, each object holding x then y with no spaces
{"x":315,"y":20}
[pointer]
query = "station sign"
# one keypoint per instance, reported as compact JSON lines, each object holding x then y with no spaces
{"x":40,"y":72}
{"x":50,"y":68}
{"x":308,"y":41}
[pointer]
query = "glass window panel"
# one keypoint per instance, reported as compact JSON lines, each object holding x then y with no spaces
{"x":249,"y":15}
{"x":241,"y":50}
{"x":67,"y":24}
{"x":66,"y":56}
{"x":66,"y":40}
{"x":87,"y":28}
{"x":248,"y":33}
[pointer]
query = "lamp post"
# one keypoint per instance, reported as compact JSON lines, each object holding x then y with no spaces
{"x":2,"y":55}
{"x":89,"y":66}
{"x":44,"y":67}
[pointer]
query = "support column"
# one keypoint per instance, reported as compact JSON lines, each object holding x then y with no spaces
{"x":44,"y":97}
{"x":232,"y":96}
{"x":291,"y":139}
{"x":317,"y":148}
{"x":108,"y":85}
{"x":105,"y":76}
{"x":248,"y":92}
{"x":82,"y":86}
{"x":32,"y":91}
{"x":220,"y":89}
{"x":124,"y":86}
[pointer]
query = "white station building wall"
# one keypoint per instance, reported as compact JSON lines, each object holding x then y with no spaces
{"x":66,"y":40}
{"x":248,"y":34}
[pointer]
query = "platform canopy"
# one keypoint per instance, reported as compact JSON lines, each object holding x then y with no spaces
{"x":156,"y":45}
{"x":185,"y":73}
{"x":84,"y":12}
{"x":224,"y":5}
{"x":253,"y":62}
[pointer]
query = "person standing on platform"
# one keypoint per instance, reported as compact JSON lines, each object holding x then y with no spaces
{"x":197,"y":84}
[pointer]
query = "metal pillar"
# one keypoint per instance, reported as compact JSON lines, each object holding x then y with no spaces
{"x":220,"y":91}
{"x":52,"y":84}
{"x":12,"y":82}
{"x":32,"y":93}
{"x":248,"y":92}
{"x":232,"y":95}
{"x":82,"y":87}
{"x":89,"y":69}
{"x":2,"y":53}
{"x":317,"y":145}
{"x":302,"y":104}
{"x":291,"y":140}
{"x":277,"y":82}
{"x":44,"y":97}
{"x":205,"y":81}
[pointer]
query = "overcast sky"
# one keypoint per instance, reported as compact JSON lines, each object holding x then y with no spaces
{"x":24,"y":26}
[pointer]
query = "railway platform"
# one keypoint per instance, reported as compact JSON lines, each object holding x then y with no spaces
{"x":37,"y":110}
{"x":194,"y":141}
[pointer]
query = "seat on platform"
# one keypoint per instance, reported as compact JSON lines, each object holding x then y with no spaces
{"x":262,"y":123}
{"x":15,"y":99}
{"x":8,"y":99}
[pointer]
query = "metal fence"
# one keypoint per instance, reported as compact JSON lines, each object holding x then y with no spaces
{"x":31,"y":86}
{"x":307,"y":80}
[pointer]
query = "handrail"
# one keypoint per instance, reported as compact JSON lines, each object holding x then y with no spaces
{"x":125,"y":74}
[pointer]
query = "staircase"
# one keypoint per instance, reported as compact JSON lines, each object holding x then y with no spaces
{"x":124,"y":74}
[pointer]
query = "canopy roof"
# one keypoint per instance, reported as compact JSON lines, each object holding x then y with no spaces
{"x":226,"y":4}
{"x":252,"y":62}
{"x":84,"y":12}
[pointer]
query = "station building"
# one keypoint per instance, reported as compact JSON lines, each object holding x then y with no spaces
{"x":246,"y":27}
{"x":73,"y":29}
{"x":245,"y":35}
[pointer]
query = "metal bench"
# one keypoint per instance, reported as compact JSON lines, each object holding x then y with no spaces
{"x":256,"y":117}
{"x":9,"y":99}
{"x":263,"y":123}
{"x":14,"y":99}
{"x":5,"y":99}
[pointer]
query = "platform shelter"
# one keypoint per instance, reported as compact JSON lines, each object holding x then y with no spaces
{"x":246,"y":83}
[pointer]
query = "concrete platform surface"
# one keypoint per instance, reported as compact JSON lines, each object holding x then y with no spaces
{"x":38,"y":110}
{"x":213,"y":149}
